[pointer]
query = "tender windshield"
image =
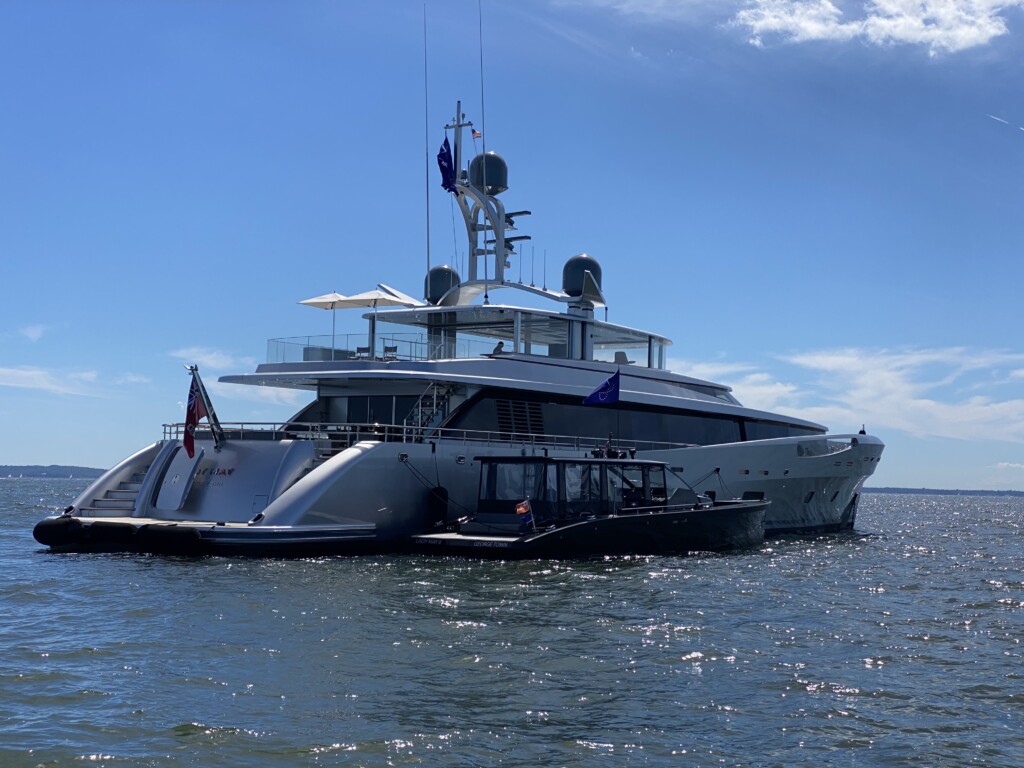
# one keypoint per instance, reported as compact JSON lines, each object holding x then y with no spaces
{"x":515,"y":482}
{"x":626,"y":484}
{"x":677,"y":491}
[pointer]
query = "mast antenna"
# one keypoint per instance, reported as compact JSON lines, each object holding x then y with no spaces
{"x":483,"y":112}
{"x":426,"y":132}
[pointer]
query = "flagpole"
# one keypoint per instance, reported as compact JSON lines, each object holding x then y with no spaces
{"x":211,"y":416}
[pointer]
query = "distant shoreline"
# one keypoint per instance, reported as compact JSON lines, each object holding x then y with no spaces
{"x":65,"y":471}
{"x":51,"y":470}
{"x":943,"y":492}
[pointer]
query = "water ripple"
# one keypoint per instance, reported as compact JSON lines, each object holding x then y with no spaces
{"x":894,"y":648}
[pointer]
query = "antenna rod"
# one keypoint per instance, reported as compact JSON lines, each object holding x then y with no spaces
{"x":483,"y":112}
{"x":483,"y":130}
{"x":458,"y":138}
{"x":426,"y":133}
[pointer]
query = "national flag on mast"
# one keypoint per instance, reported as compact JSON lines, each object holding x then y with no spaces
{"x":199,"y":407}
{"x":194,"y":412}
{"x":477,"y":134}
{"x":447,"y":166}
{"x":607,"y":392}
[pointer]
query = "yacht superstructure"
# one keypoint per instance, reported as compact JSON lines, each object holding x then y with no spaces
{"x":388,"y":446}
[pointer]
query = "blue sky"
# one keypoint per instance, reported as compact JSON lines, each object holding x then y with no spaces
{"x":820,"y":202}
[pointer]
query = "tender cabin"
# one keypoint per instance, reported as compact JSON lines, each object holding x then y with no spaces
{"x":563,"y":490}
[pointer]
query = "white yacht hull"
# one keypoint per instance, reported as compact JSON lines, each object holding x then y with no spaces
{"x":814,"y":483}
{"x":389,"y":491}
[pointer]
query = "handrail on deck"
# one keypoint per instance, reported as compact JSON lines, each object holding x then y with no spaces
{"x":335,"y":437}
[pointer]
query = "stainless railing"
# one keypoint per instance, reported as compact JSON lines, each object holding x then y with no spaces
{"x":336,"y":437}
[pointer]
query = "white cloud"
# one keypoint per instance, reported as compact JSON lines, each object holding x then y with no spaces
{"x":37,"y":378}
{"x":221,"y":393}
{"x":1010,"y":465}
{"x":89,"y":376}
{"x":33,"y":332}
{"x":926,"y":393}
{"x":941,"y":25}
{"x":132,"y":378}
{"x":657,"y":10}
{"x":712,"y":371}
{"x":212,"y":358}
{"x":267,"y":395}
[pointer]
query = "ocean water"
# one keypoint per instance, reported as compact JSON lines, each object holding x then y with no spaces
{"x":899,"y":645}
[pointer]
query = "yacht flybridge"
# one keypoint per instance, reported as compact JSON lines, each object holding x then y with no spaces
{"x":401,"y":417}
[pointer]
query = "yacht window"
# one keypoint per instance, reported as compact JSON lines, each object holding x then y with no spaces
{"x":518,"y":413}
{"x":656,"y":481}
{"x":582,"y":490}
{"x":614,"y":485}
{"x":404,"y":405}
{"x":516,"y":482}
{"x":381,"y":409}
{"x":633,"y":485}
{"x":358,"y":409}
{"x":370,"y":409}
{"x":625,"y":485}
{"x":764,"y":430}
{"x":582,"y":481}
{"x":544,"y":335}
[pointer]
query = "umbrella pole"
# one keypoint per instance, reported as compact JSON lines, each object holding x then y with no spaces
{"x":333,"y":318}
{"x":373,"y":332}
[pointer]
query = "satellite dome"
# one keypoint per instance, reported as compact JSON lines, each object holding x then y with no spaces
{"x":572,"y":273}
{"x":439,"y":281}
{"x":492,"y":168}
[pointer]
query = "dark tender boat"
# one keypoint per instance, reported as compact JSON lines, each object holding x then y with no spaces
{"x":556,"y":507}
{"x":71,"y":533}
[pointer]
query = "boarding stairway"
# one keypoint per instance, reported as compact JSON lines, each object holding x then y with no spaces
{"x":116,"y":501}
{"x":431,"y":407}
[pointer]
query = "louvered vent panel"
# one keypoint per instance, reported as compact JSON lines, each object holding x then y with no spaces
{"x":518,"y":418}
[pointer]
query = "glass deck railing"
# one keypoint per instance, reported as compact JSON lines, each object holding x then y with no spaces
{"x":412,"y":346}
{"x":304,"y":349}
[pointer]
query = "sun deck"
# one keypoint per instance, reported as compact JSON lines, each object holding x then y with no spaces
{"x":452,"y":333}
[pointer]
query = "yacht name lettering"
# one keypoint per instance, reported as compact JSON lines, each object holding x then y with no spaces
{"x":215,"y":471}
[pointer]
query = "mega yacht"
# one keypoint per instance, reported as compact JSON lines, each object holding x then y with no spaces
{"x":401,"y":415}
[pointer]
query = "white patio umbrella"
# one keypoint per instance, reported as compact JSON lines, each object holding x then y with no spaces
{"x":376,"y":298}
{"x":410,"y":301}
{"x":329,"y":301}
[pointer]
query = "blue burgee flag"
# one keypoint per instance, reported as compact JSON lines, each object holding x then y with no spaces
{"x":447,"y":166}
{"x":608,"y":392}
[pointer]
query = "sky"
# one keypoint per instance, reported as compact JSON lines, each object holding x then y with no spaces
{"x":819,"y":202}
